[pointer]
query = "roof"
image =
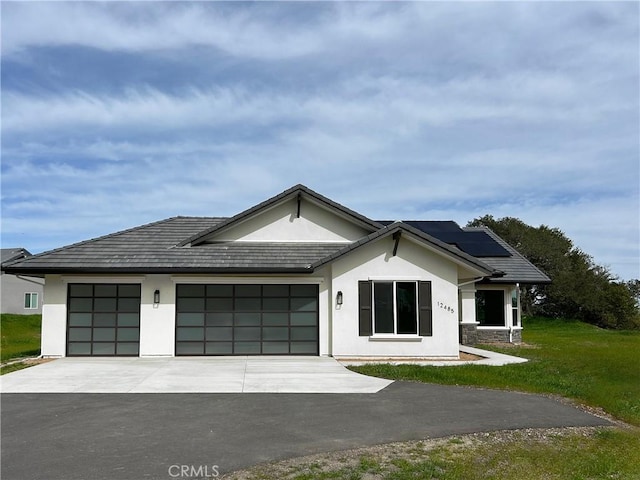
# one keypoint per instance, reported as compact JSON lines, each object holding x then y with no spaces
{"x":476,"y":243}
{"x":516,"y":267}
{"x":483,"y":243}
{"x":153,"y":248}
{"x":296,"y":191}
{"x":11,"y":254}
{"x":401,"y":227}
{"x":177,"y":245}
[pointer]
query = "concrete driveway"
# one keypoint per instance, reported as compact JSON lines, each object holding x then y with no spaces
{"x":142,"y":436}
{"x":191,"y":375}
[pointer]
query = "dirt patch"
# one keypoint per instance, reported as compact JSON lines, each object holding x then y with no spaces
{"x":28,"y":361}
{"x":468,"y":357}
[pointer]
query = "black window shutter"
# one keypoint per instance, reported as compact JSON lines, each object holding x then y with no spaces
{"x":426,"y":312}
{"x":364,"y":310}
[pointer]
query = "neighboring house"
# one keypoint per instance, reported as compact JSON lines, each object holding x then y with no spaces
{"x":297,"y":274}
{"x":19,"y":295}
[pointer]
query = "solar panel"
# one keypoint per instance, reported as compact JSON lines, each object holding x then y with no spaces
{"x":477,"y":244}
{"x":480,"y":244}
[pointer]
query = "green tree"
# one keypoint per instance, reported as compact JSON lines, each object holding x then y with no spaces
{"x":580,"y":289}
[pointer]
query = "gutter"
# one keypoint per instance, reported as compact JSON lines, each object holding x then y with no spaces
{"x":163,"y":270}
{"x":477,"y":279}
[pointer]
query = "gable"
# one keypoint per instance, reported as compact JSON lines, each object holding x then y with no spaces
{"x":281,"y":224}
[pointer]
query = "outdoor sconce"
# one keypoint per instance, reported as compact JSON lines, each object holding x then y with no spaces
{"x":156,"y":297}
{"x":339,"y":298}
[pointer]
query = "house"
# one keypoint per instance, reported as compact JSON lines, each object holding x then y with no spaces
{"x":298,"y":274}
{"x":20,"y":295}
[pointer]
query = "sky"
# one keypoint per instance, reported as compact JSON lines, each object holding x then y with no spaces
{"x":119,"y":114}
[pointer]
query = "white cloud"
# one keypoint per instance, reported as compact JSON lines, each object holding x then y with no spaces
{"x":150,"y":27}
{"x":403,"y":110}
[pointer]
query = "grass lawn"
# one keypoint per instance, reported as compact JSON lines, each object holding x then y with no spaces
{"x":599,"y":368}
{"x":596,"y":367}
{"x":20,"y":338}
{"x":575,"y":454}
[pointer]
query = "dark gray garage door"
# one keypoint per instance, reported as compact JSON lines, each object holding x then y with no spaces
{"x":247,"y":320}
{"x":103,"y":320}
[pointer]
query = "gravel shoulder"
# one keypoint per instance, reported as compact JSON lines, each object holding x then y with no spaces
{"x":389,"y":455}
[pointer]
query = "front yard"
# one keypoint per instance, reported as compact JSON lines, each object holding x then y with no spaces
{"x":596,"y":368}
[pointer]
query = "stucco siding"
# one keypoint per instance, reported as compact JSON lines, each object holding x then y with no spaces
{"x":157,"y":321}
{"x":54,"y":318}
{"x":412,"y":262}
{"x":281,"y":224}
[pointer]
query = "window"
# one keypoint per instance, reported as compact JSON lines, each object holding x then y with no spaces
{"x":490,"y":308}
{"x":395,"y":308}
{"x":514,"y":307}
{"x":31,"y":301}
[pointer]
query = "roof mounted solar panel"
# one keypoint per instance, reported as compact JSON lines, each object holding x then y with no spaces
{"x":477,"y":244}
{"x":433,"y":227}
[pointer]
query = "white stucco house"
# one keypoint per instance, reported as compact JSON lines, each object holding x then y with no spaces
{"x":297,"y":274}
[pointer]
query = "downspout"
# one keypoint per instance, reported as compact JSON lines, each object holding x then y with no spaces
{"x":517,"y":313}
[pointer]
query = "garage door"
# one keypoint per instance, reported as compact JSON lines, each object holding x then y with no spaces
{"x":247,"y":320}
{"x":103,"y":320}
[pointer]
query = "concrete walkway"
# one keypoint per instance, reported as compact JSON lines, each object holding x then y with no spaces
{"x":191,"y":375}
{"x":487,"y":357}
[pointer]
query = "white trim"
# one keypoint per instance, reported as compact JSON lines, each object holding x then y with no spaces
{"x":339,"y":242}
{"x":395,"y":338}
{"x":248,"y":280}
{"x":31,"y":294}
{"x":66,"y":279}
{"x":395,"y":278}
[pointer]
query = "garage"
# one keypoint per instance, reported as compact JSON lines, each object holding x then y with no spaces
{"x":103,"y":320}
{"x":246,"y":319}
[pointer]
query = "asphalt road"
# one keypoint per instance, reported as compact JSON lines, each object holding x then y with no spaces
{"x":165,"y":436}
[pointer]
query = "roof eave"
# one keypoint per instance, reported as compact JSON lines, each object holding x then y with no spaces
{"x":428,"y":240}
{"x":158,"y":270}
{"x":273,"y":201}
{"x":505,"y":281}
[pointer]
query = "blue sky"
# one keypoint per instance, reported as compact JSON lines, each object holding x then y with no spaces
{"x":118,"y":114}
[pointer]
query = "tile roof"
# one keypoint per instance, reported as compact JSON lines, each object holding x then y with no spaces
{"x":152,"y":249}
{"x":176,"y":245}
{"x":12,"y":254}
{"x":516,"y":267}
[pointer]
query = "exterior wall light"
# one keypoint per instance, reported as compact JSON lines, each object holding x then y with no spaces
{"x":156,"y":297}
{"x":339,"y":298}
